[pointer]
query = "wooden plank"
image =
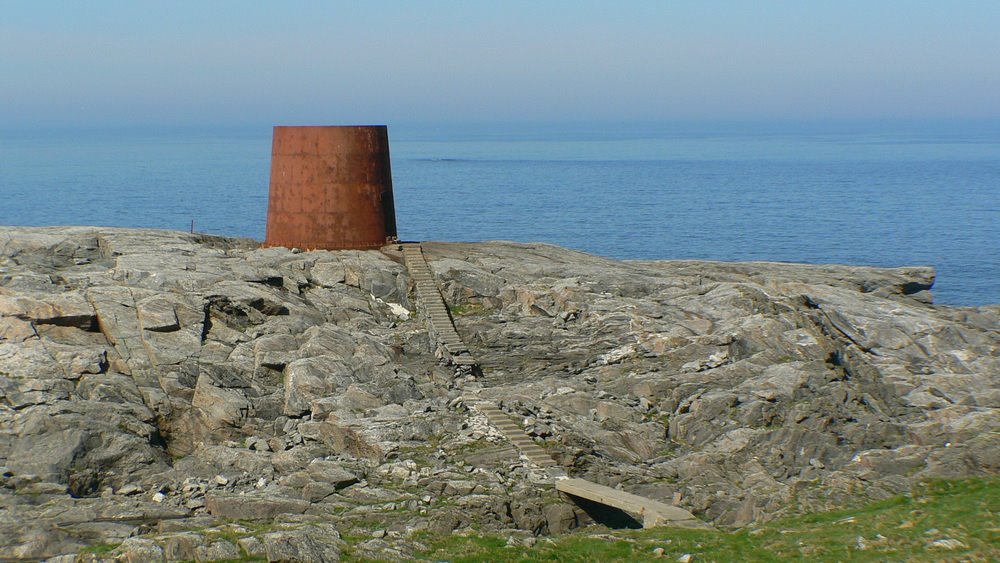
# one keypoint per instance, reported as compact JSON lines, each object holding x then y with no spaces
{"x":652,"y":512}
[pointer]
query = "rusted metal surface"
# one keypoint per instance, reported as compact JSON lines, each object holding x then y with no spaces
{"x":331,"y":188}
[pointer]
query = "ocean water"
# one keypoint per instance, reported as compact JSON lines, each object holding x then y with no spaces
{"x":852,"y":193}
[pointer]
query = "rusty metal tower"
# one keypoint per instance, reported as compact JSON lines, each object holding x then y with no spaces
{"x":331,"y":188}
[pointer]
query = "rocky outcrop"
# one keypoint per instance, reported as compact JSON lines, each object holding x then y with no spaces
{"x":156,"y":385}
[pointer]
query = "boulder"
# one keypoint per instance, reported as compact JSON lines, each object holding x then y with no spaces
{"x":252,"y":507}
{"x":320,"y":544}
{"x":331,"y":472}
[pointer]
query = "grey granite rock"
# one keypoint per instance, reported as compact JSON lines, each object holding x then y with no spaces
{"x":253,"y":507}
{"x":136,"y":366}
{"x":140,"y":550}
{"x":309,"y":545}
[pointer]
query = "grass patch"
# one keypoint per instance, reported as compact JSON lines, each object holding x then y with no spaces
{"x":229,"y":535}
{"x":900,"y":528}
{"x":100,"y":548}
{"x":469,"y":309}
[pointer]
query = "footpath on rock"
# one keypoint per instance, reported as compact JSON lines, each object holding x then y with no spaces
{"x":600,"y":498}
{"x":185,"y":397}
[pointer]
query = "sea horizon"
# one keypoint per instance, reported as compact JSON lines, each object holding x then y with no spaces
{"x":885,"y":193}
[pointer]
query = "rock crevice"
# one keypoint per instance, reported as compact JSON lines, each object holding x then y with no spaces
{"x":156,"y":384}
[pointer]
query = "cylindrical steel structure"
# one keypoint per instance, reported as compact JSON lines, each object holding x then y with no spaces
{"x":331,"y":188}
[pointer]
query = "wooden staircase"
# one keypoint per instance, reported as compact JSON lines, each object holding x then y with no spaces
{"x":432,"y":305}
{"x":442,"y":328}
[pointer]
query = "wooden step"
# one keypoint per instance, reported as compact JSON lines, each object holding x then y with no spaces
{"x":652,"y":512}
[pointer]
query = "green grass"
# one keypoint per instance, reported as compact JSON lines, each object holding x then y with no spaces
{"x":469,"y":309}
{"x":229,"y":535}
{"x":896,"y":529}
{"x":99,"y":548}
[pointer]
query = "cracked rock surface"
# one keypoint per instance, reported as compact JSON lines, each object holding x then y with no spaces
{"x":191,"y":397}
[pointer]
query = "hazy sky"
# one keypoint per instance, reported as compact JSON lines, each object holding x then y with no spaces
{"x":134,"y":62}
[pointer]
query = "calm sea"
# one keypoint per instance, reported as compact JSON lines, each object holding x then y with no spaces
{"x":872,"y":194}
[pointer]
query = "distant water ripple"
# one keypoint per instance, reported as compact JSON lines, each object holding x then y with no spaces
{"x":872,"y":198}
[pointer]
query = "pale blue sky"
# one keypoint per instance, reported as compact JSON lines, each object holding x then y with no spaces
{"x":241,"y":63}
